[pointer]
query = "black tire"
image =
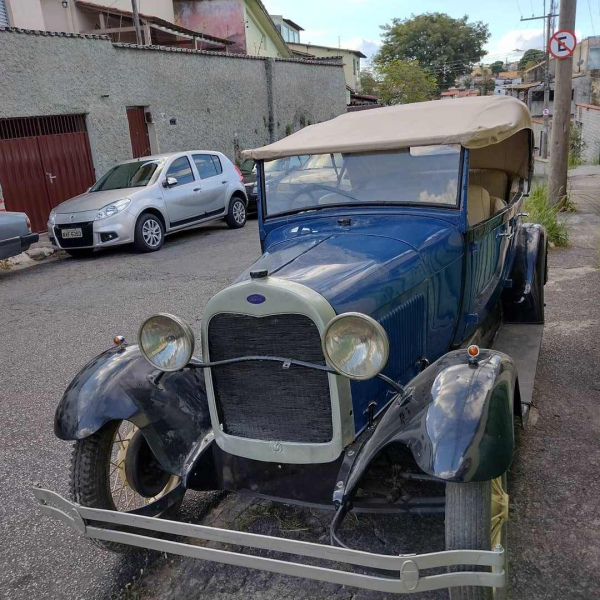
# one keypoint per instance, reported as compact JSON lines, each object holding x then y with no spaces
{"x":237,"y":214}
{"x":90,"y":479}
{"x":149,"y":233}
{"x":468,"y":526}
{"x":81,"y":253}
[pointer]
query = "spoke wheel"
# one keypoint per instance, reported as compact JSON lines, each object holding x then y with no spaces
{"x":102,"y":477}
{"x":477,"y":519}
{"x":125,"y":492}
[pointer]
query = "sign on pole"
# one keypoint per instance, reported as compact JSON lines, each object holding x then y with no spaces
{"x":562,"y":43}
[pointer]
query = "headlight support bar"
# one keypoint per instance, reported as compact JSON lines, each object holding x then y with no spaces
{"x":286,"y":364}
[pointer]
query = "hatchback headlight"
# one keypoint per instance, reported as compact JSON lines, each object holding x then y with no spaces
{"x":52,"y":216}
{"x":112,"y":209}
{"x":166,"y":342}
{"x":356,"y":346}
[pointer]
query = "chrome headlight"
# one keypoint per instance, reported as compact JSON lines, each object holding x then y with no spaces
{"x":112,"y":209}
{"x":356,"y":346}
{"x":52,"y":216}
{"x":166,"y":342}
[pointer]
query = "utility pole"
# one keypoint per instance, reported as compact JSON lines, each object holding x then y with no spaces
{"x":546,"y":112}
{"x":136,"y":22}
{"x":559,"y":143}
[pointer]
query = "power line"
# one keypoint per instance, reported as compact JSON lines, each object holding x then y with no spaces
{"x":591,"y":18}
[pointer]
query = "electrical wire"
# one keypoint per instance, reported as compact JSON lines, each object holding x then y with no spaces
{"x":591,"y":18}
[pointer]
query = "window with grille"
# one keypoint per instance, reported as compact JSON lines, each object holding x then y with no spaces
{"x":22,"y":127}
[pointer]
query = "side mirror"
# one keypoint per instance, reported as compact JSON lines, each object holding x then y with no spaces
{"x":170,"y":182}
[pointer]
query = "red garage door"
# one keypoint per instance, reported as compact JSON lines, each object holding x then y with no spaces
{"x":43,"y":161}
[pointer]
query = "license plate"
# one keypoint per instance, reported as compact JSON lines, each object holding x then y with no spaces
{"x":71,"y":233}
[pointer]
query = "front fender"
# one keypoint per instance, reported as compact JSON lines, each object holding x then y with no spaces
{"x":457,"y":419}
{"x":523,"y":302}
{"x":118,"y":385}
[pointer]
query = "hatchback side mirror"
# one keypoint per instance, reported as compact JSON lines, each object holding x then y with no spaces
{"x":170,"y":182}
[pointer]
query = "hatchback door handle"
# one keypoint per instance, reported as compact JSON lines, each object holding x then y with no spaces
{"x":224,"y":181}
{"x":197,"y":189}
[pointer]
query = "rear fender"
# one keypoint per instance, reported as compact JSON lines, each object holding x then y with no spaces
{"x":119,"y":385}
{"x":457,"y":420}
{"x":523,"y":301}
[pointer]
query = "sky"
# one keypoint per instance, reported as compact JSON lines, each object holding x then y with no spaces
{"x":356,"y":23}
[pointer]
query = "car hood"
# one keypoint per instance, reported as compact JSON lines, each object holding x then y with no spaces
{"x":363,"y":267}
{"x":94,"y":200}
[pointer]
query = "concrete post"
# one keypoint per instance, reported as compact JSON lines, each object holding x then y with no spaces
{"x":136,"y":22}
{"x":269,"y":65}
{"x":561,"y":120}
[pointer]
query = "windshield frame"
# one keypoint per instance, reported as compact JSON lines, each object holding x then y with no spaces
{"x":457,"y":206}
{"x":160,"y":164}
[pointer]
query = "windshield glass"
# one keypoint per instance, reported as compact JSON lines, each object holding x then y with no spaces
{"x":420,"y":175}
{"x":127,"y":175}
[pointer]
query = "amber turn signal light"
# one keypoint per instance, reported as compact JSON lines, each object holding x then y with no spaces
{"x":119,"y":340}
{"x":473,"y":351}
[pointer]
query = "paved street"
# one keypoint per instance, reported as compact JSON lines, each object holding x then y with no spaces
{"x":55,"y":317}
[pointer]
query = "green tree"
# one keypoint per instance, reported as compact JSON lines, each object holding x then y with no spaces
{"x":368,"y":83}
{"x":447,"y":47}
{"x":497,"y":67}
{"x":530,"y":58}
{"x":404,"y":81}
{"x":486,"y":83}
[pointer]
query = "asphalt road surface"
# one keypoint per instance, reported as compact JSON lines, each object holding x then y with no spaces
{"x":58,"y":315}
{"x":55,"y":317}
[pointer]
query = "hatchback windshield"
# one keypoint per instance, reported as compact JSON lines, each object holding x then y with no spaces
{"x":421,"y":175}
{"x":127,"y":175}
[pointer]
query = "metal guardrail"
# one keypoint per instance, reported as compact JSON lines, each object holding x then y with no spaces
{"x":406,"y":568}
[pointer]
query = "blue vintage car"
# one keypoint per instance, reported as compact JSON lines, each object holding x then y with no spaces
{"x":392,"y":323}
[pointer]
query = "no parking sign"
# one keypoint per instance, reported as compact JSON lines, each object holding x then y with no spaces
{"x":562,"y":44}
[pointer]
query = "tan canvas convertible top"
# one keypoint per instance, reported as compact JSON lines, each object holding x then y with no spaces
{"x":472,"y":122}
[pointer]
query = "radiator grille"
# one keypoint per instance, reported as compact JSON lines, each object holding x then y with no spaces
{"x":261,"y":400}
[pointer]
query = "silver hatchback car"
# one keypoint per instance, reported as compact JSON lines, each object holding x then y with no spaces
{"x":141,"y":200}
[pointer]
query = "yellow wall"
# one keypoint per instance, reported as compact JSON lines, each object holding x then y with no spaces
{"x":352,"y":77}
{"x":260,"y":41}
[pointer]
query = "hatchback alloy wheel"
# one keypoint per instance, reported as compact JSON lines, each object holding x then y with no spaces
{"x":237,"y":214}
{"x":152,"y":233}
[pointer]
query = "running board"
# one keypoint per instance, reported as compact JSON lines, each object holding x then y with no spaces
{"x":406,"y":576}
{"x":522,"y":343}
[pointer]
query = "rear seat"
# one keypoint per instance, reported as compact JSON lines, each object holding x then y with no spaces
{"x":488,"y":190}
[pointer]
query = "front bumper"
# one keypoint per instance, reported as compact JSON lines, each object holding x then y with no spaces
{"x":405,"y":571}
{"x":121,"y":226}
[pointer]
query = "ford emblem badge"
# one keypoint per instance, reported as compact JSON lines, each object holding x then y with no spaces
{"x":256,"y":298}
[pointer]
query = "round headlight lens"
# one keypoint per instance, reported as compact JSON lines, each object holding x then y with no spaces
{"x":356,"y":346}
{"x":166,"y":342}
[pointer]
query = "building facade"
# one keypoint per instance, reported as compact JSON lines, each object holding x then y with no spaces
{"x":245,"y":23}
{"x":72,"y":105}
{"x":350,"y":59}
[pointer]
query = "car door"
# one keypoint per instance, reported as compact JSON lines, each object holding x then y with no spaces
{"x":213,"y":183}
{"x":487,"y":248}
{"x":183,"y":198}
